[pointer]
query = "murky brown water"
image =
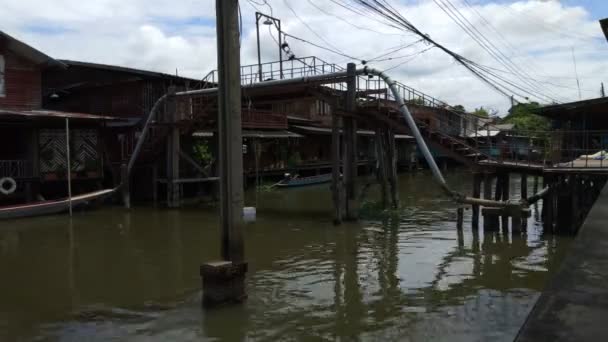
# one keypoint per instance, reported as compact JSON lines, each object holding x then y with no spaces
{"x":133,"y":276}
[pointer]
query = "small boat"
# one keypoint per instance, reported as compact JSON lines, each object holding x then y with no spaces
{"x":53,"y":206}
{"x":295,"y":181}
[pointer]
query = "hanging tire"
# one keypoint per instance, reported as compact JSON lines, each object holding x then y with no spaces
{"x":7,"y":185}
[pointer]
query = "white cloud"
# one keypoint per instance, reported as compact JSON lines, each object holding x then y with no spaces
{"x":163,"y":36}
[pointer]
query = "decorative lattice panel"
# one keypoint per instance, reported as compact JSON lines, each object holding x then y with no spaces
{"x":83,"y":146}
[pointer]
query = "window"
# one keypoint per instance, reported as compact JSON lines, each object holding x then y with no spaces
{"x":2,"y":90}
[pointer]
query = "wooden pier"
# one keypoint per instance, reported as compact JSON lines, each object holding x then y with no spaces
{"x":574,"y":306}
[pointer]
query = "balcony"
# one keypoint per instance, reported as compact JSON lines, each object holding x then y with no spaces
{"x":263,"y":119}
{"x":17,"y":169}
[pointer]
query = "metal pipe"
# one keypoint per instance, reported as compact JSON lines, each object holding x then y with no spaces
{"x":257,"y":31}
{"x":413,"y":128}
{"x":144,"y":132}
{"x":337,"y":77}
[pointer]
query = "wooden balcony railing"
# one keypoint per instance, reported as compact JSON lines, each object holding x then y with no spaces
{"x":17,"y":169}
{"x":262,"y":119}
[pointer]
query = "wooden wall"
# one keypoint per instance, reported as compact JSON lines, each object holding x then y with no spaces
{"x":22,"y":81}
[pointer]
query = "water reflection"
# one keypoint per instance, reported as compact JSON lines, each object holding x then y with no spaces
{"x":112,"y":274}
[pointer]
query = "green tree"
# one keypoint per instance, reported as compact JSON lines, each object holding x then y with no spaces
{"x":459,"y":108}
{"x":524,"y":117}
{"x":481,"y":112}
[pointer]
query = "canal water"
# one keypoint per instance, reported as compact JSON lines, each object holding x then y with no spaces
{"x":407,"y":275}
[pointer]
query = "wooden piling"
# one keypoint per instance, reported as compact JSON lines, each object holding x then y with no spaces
{"x":524,"y":186}
{"x":477,"y":178}
{"x":126,"y":186}
{"x":173,"y":149}
{"x":350,"y":146}
{"x":548,"y":203}
{"x":155,"y":184}
{"x":524,"y":195}
{"x":391,"y":166}
{"x":459,"y":218}
{"x":490,"y":221}
{"x":505,"y":180}
{"x":335,"y":168}
{"x":381,"y":167}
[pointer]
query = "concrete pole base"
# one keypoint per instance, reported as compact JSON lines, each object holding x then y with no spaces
{"x":223,"y":282}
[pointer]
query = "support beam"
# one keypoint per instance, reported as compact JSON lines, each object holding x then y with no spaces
{"x":548,"y":203}
{"x":126,"y":185}
{"x":477,"y":178}
{"x":224,"y":281}
{"x":173,"y":150}
{"x":391,"y":152}
{"x":350,"y":144}
{"x":336,"y":183}
{"x":490,"y":222}
{"x":459,"y":218}
{"x":506,"y":186}
{"x":381,"y":166}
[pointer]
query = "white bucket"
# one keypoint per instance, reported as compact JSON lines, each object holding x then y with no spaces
{"x":249,"y":214}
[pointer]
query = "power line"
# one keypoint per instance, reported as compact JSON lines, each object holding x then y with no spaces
{"x":349,"y":23}
{"x":308,"y":26}
{"x":488,"y":46}
{"x":395,"y":50}
{"x":413,"y":56}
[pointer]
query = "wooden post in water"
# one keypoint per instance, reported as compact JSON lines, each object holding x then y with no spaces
{"x":68,"y":161}
{"x":477,"y":178}
{"x":126,"y":185}
{"x":381,"y":166}
{"x":350,"y":150}
{"x":155,"y":183}
{"x":505,"y":180}
{"x":336,"y":185}
{"x":391,"y":152}
{"x":548,"y":203}
{"x":490,"y":221}
{"x":459,"y":217}
{"x":224,"y":281}
{"x":173,"y":148}
{"x":524,"y":186}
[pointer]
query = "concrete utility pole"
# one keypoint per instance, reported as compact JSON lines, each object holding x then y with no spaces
{"x":224,"y":281}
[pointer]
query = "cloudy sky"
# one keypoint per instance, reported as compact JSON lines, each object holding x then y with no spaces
{"x":537,"y":36}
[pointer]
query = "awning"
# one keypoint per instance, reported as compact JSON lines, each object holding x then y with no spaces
{"x":483,"y":134}
{"x":254,"y":134}
{"x":43,"y":114}
{"x":364,"y":132}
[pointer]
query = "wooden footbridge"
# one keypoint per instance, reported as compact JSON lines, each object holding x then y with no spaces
{"x":360,"y":99}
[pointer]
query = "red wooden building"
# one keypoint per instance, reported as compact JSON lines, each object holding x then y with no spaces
{"x":32,"y":139}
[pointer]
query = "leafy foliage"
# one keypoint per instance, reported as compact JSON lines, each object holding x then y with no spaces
{"x":523,"y":116}
{"x":202,"y":152}
{"x":481,"y":112}
{"x":459,"y":108}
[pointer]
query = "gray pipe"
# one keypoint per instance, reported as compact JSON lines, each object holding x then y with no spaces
{"x":144,"y":133}
{"x":320,"y":79}
{"x":413,"y":128}
{"x":329,"y":79}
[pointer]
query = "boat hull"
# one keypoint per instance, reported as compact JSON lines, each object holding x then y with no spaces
{"x":305,"y":181}
{"x":52,"y":207}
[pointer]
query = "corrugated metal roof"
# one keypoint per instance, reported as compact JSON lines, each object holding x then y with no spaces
{"x":255,"y":134}
{"x":484,"y":133}
{"x":324,"y":130}
{"x":30,"y":53}
{"x":52,"y":114}
{"x":139,"y":72}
